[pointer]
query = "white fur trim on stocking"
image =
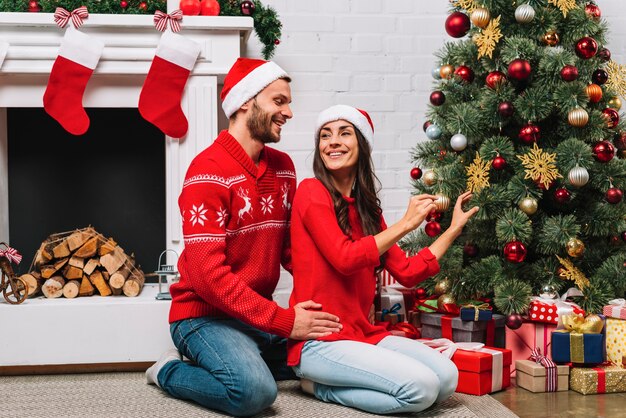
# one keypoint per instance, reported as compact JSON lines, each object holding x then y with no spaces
{"x":80,"y":48}
{"x":4,"y":47}
{"x":178,"y":50}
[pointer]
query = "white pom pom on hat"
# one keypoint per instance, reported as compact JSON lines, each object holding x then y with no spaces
{"x":245,"y":79}
{"x":359,"y":118}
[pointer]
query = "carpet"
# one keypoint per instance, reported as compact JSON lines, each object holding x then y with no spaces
{"x":127,"y":395}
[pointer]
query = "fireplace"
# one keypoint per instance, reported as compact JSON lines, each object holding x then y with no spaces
{"x":117,"y":330}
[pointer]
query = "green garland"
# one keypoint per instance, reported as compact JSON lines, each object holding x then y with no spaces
{"x":266,"y":23}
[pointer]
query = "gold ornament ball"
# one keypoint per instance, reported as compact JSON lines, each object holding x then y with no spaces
{"x":480,"y":17}
{"x":551,"y":38}
{"x":528,"y":205}
{"x":575,"y":247}
{"x":615,"y":103}
{"x":442,"y":203}
{"x":445,"y":299}
{"x":578,"y":117}
{"x":429,"y":178}
{"x":446,"y":71}
{"x":442,"y":287}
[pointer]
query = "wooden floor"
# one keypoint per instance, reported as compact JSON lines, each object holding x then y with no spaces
{"x":564,"y":404}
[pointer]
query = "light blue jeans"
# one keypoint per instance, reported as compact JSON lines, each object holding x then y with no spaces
{"x":398,"y":375}
{"x":234,"y":366}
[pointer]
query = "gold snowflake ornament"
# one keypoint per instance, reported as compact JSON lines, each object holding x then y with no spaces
{"x":564,"y":5}
{"x":617,"y":78}
{"x":540,"y":166}
{"x":570,"y":272}
{"x":478,"y":174}
{"x":488,"y":38}
{"x":468,"y":5}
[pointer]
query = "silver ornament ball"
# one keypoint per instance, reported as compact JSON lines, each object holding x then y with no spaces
{"x":458,"y":142}
{"x":524,"y":13}
{"x":578,"y":176}
{"x":548,"y":291}
{"x":436,"y":73}
{"x":433,"y":132}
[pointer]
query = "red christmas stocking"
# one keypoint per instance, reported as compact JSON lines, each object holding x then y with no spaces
{"x":63,"y":100}
{"x":162,"y":91}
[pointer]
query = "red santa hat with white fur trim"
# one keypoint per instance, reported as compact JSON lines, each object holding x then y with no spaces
{"x":245,"y":79}
{"x":359,"y":118}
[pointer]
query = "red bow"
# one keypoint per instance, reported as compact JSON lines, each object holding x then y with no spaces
{"x":11,"y":254}
{"x":161,"y":19}
{"x":62,"y":16}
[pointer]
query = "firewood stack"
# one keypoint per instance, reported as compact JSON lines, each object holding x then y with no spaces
{"x":81,"y":263}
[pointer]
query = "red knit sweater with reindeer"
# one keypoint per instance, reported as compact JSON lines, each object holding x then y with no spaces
{"x":236,"y":229}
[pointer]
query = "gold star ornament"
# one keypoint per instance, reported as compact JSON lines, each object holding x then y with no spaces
{"x":570,"y":272}
{"x":617,"y":78}
{"x":478,"y":174}
{"x":564,"y":5}
{"x":488,"y":38}
{"x":540,"y":166}
{"x":468,"y":5}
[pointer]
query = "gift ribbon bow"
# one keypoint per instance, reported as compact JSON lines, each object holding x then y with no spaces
{"x":11,"y":254}
{"x":477,"y":308}
{"x":551,"y":370}
{"x":174,"y":18}
{"x":592,"y":324}
{"x":395,"y":308}
{"x":618,"y":302}
{"x":62,"y":16}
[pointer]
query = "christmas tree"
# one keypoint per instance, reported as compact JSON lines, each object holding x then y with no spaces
{"x":525,"y":113}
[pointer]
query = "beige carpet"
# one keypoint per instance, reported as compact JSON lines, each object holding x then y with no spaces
{"x":127,"y":395}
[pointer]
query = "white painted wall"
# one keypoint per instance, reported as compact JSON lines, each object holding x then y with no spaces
{"x":377,"y":55}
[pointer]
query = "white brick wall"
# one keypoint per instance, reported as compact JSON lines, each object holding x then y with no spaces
{"x":374,"y":54}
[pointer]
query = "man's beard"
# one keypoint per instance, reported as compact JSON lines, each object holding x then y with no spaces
{"x":260,"y":125}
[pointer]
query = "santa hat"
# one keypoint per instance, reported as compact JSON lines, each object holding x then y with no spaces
{"x":245,"y":79}
{"x":359,"y":118}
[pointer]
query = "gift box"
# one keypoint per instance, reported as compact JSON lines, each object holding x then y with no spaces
{"x":530,"y":335}
{"x":414,"y":319}
{"x":427,"y":305}
{"x":615,"y":340}
{"x":472,"y":312}
{"x":388,"y":316}
{"x":397,"y":300}
{"x":534,"y":377}
{"x":548,"y":312}
{"x":436,"y":325}
{"x":578,"y":348}
{"x":483,"y":371}
{"x":615,"y":309}
{"x":593,"y":380}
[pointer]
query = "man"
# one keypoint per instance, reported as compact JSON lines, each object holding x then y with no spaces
{"x":235,"y":205}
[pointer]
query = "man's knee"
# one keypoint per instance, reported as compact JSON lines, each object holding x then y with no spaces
{"x":253,"y":397}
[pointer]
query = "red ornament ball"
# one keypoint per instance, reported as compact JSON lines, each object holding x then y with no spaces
{"x":33,"y":6}
{"x":614,"y":195}
{"x":416,"y":173}
{"x":506,"y":109}
{"x":611,"y":116}
{"x":586,"y":47}
{"x":514,"y":321}
{"x":620,"y":141}
{"x":434,"y":216}
{"x":190,"y":7}
{"x":569,"y":73}
{"x":123,"y":4}
{"x":457,"y":24}
{"x":519,"y":70}
{"x":432,"y":228}
{"x":210,"y":8}
{"x":426,"y":125}
{"x":144,"y":6}
{"x":420,"y":292}
{"x":437,"y":98}
{"x":247,"y":7}
{"x":539,"y":183}
{"x":600,"y":76}
{"x":465,"y":73}
{"x":529,"y":134}
{"x":603,"y":151}
{"x":495,"y":79}
{"x":515,"y":252}
{"x":470,"y":249}
{"x":593,"y":11}
{"x":562,"y":195}
{"x":499,"y":163}
{"x":276,"y":41}
{"x":604,"y":54}
{"x":624,"y":236}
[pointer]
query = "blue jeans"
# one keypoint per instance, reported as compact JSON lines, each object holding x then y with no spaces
{"x":398,"y":375}
{"x":234,"y":366}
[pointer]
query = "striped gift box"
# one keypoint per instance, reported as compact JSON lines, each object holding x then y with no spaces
{"x":615,"y":309}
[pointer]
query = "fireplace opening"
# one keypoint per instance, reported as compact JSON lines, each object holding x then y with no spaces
{"x":112,"y":177}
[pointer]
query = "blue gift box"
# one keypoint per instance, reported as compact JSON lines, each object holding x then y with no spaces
{"x":469,"y":314}
{"x":578,"y":348}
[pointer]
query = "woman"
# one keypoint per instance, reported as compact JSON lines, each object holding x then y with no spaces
{"x":339,"y":242}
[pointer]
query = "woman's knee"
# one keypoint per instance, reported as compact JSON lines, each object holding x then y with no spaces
{"x":420,"y":393}
{"x":448,"y":378}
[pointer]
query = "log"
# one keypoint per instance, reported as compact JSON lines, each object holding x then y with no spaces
{"x":77,"y":262}
{"x":72,"y":273}
{"x":107,"y":247}
{"x":86,"y":288}
{"x":49,"y":270}
{"x":134,"y":283}
{"x":77,"y":239}
{"x":98,"y":281}
{"x":61,"y":250}
{"x":88,"y":249}
{"x":117,"y":279}
{"x":91,"y":265}
{"x":53,"y":287}
{"x":71,"y":289}
{"x":113,"y":260}
{"x":33,"y":280}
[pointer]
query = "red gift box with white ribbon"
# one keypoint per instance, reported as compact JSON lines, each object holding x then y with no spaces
{"x":547,"y":310}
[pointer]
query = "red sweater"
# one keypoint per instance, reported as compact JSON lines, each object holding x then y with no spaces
{"x":236,"y":231}
{"x":338,"y":271}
